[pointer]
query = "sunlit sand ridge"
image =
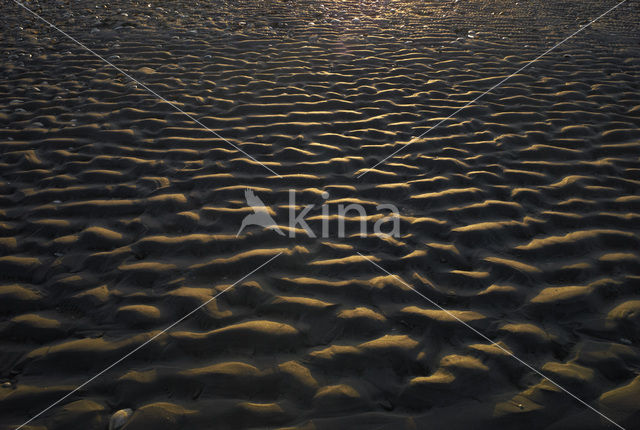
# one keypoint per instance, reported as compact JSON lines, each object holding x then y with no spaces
{"x":519,"y":216}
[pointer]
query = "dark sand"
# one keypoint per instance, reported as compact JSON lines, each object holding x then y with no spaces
{"x":521,"y":215}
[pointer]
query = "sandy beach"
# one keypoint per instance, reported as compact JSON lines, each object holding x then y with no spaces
{"x":130,"y":271}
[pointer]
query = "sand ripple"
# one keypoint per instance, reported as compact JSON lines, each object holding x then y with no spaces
{"x":520,"y":215}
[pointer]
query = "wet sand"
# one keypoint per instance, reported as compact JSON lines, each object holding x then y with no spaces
{"x":520,"y":215}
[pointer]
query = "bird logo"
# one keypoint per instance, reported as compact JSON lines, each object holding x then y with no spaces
{"x":260,"y":215}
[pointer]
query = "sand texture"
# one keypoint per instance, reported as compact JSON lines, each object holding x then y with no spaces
{"x":520,"y":215}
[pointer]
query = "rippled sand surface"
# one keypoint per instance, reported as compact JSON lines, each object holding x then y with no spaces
{"x":520,"y":215}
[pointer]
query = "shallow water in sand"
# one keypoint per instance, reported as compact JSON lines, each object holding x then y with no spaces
{"x":520,"y":215}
